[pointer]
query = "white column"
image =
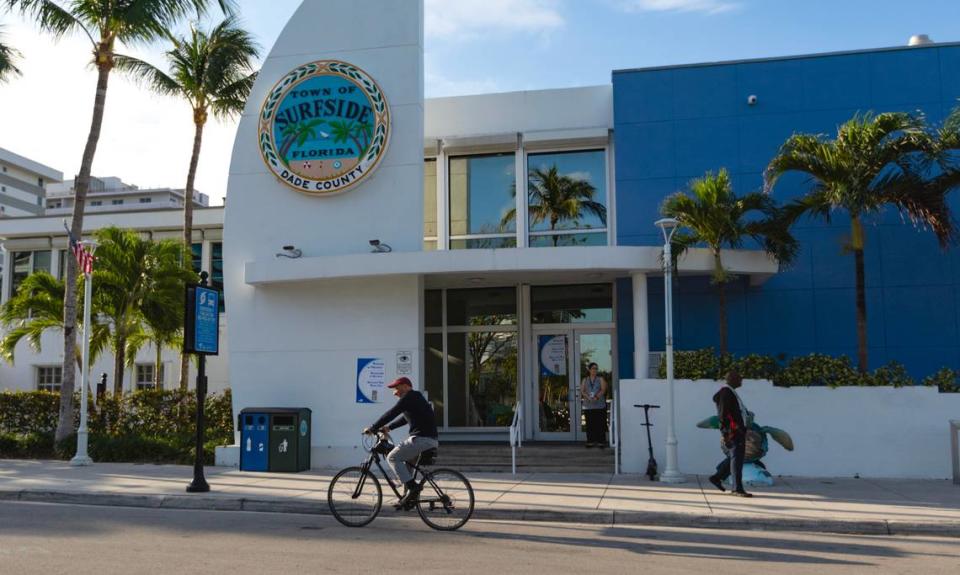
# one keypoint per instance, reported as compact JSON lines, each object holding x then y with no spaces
{"x":520,"y":169}
{"x":641,"y":330}
{"x":443,"y":199}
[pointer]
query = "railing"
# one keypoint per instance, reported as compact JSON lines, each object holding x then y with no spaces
{"x":613,"y":431}
{"x":516,"y":435}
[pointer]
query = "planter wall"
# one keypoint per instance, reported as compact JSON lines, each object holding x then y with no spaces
{"x":870,"y":431}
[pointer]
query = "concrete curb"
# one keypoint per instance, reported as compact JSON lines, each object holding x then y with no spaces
{"x":597,"y":517}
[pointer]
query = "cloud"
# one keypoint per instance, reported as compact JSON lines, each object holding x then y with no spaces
{"x":705,"y":6}
{"x":466,"y":19}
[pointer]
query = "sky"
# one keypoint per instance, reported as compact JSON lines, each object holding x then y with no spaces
{"x":471,"y":47}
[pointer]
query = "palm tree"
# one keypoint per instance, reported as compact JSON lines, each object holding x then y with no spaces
{"x":161,"y":310}
{"x":7,"y":57}
{"x":133,"y":274}
{"x":104,"y":23}
{"x":874,"y":162}
{"x":213,"y":72}
{"x":36,"y":308}
{"x":556,"y":198}
{"x":713,"y":216}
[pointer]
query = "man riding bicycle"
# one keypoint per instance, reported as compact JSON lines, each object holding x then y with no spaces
{"x":414,"y":409}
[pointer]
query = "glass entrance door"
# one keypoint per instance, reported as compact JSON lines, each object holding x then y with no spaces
{"x":562,"y":358}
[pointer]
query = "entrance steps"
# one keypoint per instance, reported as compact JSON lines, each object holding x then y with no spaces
{"x":539,"y":457}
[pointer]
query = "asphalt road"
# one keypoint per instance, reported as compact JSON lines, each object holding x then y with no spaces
{"x":49,"y":539}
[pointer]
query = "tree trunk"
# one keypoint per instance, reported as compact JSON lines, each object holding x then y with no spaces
{"x":157,"y":380}
{"x":720,"y":278}
{"x":199,"y":119}
{"x":81,"y":186}
{"x":857,"y":243}
{"x":119,"y":359}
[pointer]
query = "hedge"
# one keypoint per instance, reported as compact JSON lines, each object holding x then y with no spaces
{"x":143,"y":426}
{"x":801,"y":371}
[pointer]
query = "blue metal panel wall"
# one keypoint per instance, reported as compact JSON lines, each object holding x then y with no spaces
{"x":674,"y":124}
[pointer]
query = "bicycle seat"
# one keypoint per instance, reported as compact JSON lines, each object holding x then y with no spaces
{"x":427,"y":457}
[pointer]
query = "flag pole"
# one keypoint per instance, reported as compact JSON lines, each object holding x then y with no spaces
{"x":86,"y":266}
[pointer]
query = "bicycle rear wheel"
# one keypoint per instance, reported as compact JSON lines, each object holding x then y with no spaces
{"x":446,"y":501}
{"x":355,"y":497}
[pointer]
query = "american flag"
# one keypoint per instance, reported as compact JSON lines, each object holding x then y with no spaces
{"x":84,"y":257}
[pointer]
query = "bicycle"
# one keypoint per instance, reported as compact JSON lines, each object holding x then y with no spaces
{"x":355,"y":497}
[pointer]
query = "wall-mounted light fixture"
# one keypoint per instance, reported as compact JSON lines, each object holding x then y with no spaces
{"x":292,"y":252}
{"x":379,"y":247}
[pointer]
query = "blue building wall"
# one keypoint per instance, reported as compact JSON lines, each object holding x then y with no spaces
{"x":674,"y":124}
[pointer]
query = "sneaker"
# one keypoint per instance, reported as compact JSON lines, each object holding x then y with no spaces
{"x":588,"y":445}
{"x":409,"y":498}
{"x":741,"y":493}
{"x":716,"y":482}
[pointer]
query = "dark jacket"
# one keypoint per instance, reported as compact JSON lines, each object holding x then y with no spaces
{"x":414,"y":409}
{"x":731,"y":418}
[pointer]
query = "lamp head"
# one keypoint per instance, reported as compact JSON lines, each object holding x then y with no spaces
{"x":668,"y":226}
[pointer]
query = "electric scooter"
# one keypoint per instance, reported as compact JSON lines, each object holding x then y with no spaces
{"x":651,"y":463}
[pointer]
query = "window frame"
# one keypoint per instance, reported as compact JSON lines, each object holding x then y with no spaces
{"x":54,"y":386}
{"x":608,"y":196}
{"x":521,"y":153}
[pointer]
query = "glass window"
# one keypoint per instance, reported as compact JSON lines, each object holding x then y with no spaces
{"x":567,"y":191}
{"x":572,"y":303}
{"x":116,"y":202}
{"x":482,"y":198}
{"x":42,"y":260}
{"x":145,"y":376}
{"x":483,"y":306}
{"x":429,"y":200}
{"x":433,"y":308}
{"x":49,"y":377}
{"x":433,"y":372}
{"x":196,"y":251}
{"x":481,"y":378}
{"x":216,"y":270}
{"x":484,"y":243}
{"x":22,"y":267}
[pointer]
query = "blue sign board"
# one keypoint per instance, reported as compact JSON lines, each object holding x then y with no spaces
{"x":206,"y":320}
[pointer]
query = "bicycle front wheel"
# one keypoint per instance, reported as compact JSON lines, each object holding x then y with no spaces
{"x":446,"y":501}
{"x":355,"y":497}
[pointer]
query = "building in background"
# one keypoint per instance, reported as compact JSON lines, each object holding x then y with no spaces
{"x":113,"y":195}
{"x":23,"y":185}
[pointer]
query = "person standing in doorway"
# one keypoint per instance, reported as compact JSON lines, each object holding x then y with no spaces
{"x":733,"y":430}
{"x":593,"y":390}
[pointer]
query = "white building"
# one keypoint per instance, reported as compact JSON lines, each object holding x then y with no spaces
{"x":113,"y":195}
{"x":41,"y":242}
{"x":487,"y":312}
{"x":23,"y":184}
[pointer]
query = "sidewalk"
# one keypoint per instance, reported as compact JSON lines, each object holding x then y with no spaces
{"x":873,"y":506}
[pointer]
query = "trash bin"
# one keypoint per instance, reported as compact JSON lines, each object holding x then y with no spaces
{"x":254,"y":436}
{"x":283,"y":431}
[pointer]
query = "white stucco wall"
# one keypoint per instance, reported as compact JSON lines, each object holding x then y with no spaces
{"x":871,"y":431}
{"x":21,"y":374}
{"x":295,"y":343}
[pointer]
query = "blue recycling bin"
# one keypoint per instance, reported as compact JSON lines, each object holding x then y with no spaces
{"x":254,"y":441}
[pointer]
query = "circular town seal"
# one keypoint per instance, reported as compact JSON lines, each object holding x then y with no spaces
{"x":324,"y":127}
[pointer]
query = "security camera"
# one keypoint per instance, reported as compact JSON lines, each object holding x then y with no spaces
{"x":374,"y":243}
{"x":379,"y":247}
{"x":751,"y":99}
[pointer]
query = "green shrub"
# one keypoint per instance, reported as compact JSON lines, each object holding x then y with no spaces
{"x":946,"y":380}
{"x":806,"y":370}
{"x":143,"y":426}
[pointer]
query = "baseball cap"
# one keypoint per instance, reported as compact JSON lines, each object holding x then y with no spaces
{"x":400,"y":381}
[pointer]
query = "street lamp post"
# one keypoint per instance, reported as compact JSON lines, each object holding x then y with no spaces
{"x":82,"y":458}
{"x":671,"y":474}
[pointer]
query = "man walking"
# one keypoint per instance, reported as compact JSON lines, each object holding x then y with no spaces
{"x":733,"y":429}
